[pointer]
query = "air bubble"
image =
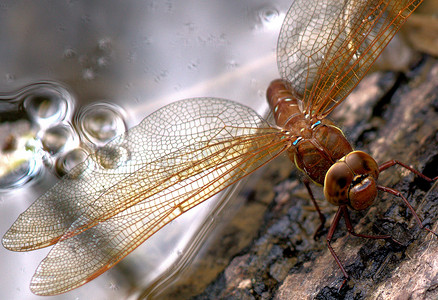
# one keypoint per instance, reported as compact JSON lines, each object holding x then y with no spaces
{"x":105,"y":44}
{"x":68,"y":163}
{"x":100,"y":123}
{"x":88,"y":74}
{"x":69,"y":53}
{"x":31,"y":129}
{"x":58,"y":138}
{"x":102,"y":62}
{"x":232,"y":64}
{"x":112,"y":157}
{"x":20,"y":155}
{"x":268,"y":14}
{"x":193,"y":65}
{"x":10,"y":78}
{"x":268,"y":18}
{"x":113,"y":286}
{"x":46,"y":106}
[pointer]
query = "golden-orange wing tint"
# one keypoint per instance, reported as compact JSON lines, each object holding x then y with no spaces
{"x":326,"y":47}
{"x":174,"y":159}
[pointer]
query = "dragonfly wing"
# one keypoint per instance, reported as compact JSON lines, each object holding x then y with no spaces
{"x":324,"y":50}
{"x":175,"y":144}
{"x":226,"y":158}
{"x":47,"y":219}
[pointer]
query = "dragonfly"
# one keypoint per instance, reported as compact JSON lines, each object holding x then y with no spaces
{"x":186,"y":152}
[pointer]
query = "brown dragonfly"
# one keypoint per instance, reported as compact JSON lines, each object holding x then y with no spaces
{"x":188,"y":151}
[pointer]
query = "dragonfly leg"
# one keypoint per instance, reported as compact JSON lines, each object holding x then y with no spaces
{"x":331,"y":231}
{"x":394,"y":162}
{"x":351,"y":231}
{"x":319,"y":230}
{"x":343,"y":212}
{"x":398,"y":194}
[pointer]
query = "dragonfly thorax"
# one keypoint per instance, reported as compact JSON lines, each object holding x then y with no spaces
{"x":316,"y":152}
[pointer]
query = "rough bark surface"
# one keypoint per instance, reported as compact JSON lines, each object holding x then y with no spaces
{"x":391,"y":116}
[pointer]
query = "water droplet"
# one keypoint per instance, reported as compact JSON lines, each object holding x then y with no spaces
{"x":112,"y":157}
{"x":86,"y":19}
{"x":268,"y":18}
{"x":20,"y":155}
{"x":102,"y":62}
{"x":232,"y":64}
{"x":268,"y":14}
{"x":58,"y":138}
{"x":105,"y":44}
{"x":163,"y":74}
{"x":193,"y":65}
{"x":261,"y":93}
{"x":33,"y":124}
{"x":10,"y":77}
{"x":113,"y":286}
{"x":42,"y":105}
{"x":69,"y":53}
{"x":19,"y":175}
{"x":68,"y":163}
{"x":46,"y":104}
{"x":100,"y":123}
{"x":88,"y":74}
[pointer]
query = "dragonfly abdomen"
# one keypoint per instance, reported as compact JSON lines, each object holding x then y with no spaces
{"x":286,"y":107}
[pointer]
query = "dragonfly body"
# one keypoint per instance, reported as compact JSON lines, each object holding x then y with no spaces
{"x":322,"y":152}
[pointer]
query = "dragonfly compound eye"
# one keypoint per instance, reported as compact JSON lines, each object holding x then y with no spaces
{"x":362,"y":163}
{"x":337,"y":183}
{"x":363,"y":189}
{"x":362,"y":193}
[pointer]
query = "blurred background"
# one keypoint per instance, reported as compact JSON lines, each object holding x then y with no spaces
{"x":76,"y":73}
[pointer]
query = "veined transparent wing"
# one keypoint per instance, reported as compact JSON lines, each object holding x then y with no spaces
{"x":176,"y":158}
{"x":325,"y":48}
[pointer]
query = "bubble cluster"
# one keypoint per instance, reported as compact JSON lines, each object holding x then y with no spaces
{"x":38,"y":129}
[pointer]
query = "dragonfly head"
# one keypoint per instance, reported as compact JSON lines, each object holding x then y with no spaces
{"x":352,"y":181}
